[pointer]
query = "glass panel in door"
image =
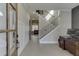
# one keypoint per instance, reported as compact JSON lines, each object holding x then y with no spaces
{"x":12,"y":26}
{"x":2,"y":28}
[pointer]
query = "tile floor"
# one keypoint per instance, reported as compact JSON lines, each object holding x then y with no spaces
{"x":35,"y":49}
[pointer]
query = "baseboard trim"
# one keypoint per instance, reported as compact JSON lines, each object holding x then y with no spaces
{"x":48,"y":42}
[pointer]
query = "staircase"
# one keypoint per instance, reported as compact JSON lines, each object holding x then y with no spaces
{"x":51,"y":25}
{"x":48,"y":28}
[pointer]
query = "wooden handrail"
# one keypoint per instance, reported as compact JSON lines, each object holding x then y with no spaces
{"x":3,"y":31}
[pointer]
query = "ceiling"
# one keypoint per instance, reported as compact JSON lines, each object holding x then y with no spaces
{"x":51,"y":6}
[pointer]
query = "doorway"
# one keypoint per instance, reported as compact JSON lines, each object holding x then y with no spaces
{"x":34,"y":27}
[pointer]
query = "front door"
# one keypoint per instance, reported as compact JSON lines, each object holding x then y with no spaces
{"x":12,"y":27}
{"x":8,"y":29}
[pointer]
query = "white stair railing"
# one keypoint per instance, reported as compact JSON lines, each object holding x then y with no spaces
{"x":48,"y":28}
{"x":51,"y":25}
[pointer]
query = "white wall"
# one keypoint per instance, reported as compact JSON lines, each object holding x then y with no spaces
{"x":2,"y":26}
{"x":65,"y":23}
{"x":23,"y":27}
{"x":42,"y":22}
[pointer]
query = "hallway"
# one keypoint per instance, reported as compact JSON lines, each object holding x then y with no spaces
{"x":18,"y":22}
{"x":35,"y":49}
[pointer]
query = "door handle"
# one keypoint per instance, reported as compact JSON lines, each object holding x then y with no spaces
{"x":17,"y":44}
{"x":17,"y":36}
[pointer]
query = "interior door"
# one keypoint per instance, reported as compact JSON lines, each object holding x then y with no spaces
{"x":12,"y":26}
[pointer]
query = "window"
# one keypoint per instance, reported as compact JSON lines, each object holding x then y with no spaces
{"x":51,"y":12}
{"x":1,"y":14}
{"x":49,"y":15}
